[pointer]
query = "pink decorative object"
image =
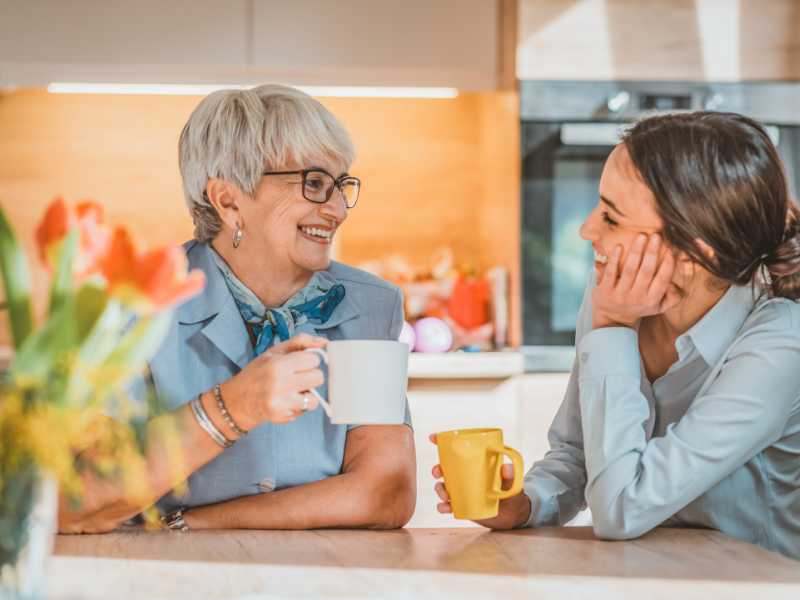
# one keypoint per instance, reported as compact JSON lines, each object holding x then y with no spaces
{"x":433,"y":335}
{"x":407,"y":335}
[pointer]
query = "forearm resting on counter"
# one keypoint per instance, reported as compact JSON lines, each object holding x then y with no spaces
{"x":376,"y":490}
{"x":175,"y":447}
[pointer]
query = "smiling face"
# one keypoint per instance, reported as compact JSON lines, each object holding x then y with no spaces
{"x":285,"y":228}
{"x":626,"y":209}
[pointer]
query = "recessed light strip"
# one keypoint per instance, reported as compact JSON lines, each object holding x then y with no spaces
{"x":180,"y":89}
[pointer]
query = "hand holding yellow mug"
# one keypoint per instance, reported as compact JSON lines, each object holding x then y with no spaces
{"x":470,"y":460}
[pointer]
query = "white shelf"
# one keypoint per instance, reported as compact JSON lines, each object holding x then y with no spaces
{"x":465,"y":365}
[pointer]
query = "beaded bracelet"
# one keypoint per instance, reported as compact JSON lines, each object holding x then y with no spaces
{"x":226,"y":415}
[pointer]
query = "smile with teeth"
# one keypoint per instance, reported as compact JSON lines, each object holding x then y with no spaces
{"x":600,"y":258}
{"x":317,"y":232}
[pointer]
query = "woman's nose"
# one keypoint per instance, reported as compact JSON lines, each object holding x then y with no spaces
{"x":335,"y":207}
{"x":589,"y":229}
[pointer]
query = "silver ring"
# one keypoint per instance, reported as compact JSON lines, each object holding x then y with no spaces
{"x":305,"y":403}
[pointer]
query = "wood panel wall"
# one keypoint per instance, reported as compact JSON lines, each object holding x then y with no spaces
{"x":436,"y":172}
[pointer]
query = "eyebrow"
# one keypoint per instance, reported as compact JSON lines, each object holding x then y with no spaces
{"x":612,"y":206}
{"x":345,"y":174}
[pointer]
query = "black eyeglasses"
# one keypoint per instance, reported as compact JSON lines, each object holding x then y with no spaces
{"x":318,"y":185}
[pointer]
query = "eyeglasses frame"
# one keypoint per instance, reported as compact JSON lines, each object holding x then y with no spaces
{"x":337,"y":183}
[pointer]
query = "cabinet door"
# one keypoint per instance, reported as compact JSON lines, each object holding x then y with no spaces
{"x":523,"y":407}
{"x":145,"y":40}
{"x":714,"y":40}
{"x":363,"y":42}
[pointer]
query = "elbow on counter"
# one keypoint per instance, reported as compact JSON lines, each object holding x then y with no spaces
{"x":609,"y":522}
{"x":393,"y":505}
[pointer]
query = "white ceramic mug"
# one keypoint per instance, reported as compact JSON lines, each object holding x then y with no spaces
{"x":367,"y":381}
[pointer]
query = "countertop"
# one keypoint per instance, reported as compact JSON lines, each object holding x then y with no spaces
{"x":563,"y":563}
{"x":465,"y":365}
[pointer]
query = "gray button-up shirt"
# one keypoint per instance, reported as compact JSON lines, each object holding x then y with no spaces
{"x":714,"y":442}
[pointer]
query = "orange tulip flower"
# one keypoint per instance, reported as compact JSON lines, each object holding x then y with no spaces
{"x":93,"y":235}
{"x":149,"y":281}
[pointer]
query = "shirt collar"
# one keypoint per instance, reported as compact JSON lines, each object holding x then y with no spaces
{"x":216,"y":298}
{"x":715,"y":332}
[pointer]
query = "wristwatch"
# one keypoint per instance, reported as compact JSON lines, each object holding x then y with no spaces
{"x":175,"y":521}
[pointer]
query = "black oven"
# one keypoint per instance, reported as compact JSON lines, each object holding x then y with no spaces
{"x":568,"y":131}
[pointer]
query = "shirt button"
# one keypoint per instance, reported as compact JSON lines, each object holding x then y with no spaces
{"x":266,"y":485}
{"x":584,"y":357}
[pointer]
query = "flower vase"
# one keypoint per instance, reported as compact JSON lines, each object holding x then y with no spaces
{"x":28,"y":512}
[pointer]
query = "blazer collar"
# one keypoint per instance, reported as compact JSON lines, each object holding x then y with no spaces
{"x":217,"y":310}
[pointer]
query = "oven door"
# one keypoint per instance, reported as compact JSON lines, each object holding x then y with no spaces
{"x":561,"y":167}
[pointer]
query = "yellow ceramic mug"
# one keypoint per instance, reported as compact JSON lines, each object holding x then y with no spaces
{"x":471,"y":461}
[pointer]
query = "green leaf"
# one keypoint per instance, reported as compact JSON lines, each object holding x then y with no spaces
{"x":91,"y":301}
{"x":62,"y":286}
{"x":47,"y":348}
{"x":139,"y":345}
{"x":16,"y":281}
{"x":97,"y":344}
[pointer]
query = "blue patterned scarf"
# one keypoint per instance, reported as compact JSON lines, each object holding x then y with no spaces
{"x":314,"y":303}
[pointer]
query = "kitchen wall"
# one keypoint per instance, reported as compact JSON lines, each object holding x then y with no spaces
{"x":436,"y":172}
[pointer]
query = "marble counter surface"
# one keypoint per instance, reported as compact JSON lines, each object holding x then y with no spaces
{"x":558,"y":563}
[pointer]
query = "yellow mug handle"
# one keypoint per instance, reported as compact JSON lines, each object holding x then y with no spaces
{"x":516,"y":486}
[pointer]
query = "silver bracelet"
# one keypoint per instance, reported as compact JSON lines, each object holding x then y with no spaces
{"x":208,"y":426}
{"x":225,"y":414}
{"x":175,"y":521}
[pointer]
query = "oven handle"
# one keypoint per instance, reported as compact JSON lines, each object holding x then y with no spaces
{"x":592,"y":134}
{"x":609,"y":134}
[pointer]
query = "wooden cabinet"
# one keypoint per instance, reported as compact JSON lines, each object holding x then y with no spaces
{"x":523,"y":406}
{"x":715,"y":40}
{"x":143,"y":41}
{"x":452,"y":43}
{"x":363,"y":42}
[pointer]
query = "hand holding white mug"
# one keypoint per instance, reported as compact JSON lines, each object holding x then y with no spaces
{"x":272,"y":387}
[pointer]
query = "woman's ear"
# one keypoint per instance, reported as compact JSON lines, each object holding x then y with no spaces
{"x":686,"y":266}
{"x":705,"y":249}
{"x":225,"y":197}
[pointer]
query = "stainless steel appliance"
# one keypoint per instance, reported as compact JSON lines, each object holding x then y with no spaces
{"x":568,"y":131}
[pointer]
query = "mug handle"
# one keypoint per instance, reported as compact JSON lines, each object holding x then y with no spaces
{"x":324,"y":403}
{"x":519,"y":475}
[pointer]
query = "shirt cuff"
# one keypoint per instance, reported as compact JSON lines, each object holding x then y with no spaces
{"x":609,"y":351}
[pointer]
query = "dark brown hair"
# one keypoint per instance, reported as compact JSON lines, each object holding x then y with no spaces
{"x":717,"y":177}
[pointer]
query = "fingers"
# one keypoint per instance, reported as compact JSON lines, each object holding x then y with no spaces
{"x":609,"y":278}
{"x":432,"y":437}
{"x":507,"y":472}
{"x":301,"y":361}
{"x":307,"y":380}
{"x":647,"y":269}
{"x":298,"y":343}
{"x":663,"y":278}
{"x":632,"y":262}
{"x":437,"y":472}
{"x":442,"y":492}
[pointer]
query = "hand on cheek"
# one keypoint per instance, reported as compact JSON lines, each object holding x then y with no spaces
{"x":638,"y":288}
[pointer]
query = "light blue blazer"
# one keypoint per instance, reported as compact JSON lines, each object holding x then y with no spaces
{"x":208,"y":343}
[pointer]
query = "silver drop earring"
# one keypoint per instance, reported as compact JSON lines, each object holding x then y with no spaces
{"x":237,"y":236}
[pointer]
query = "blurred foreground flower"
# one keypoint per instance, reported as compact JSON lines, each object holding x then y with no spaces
{"x":148,"y":281}
{"x":93,"y":235}
{"x":109,"y":309}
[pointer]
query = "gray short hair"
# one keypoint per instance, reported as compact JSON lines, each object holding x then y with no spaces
{"x":234,"y":135}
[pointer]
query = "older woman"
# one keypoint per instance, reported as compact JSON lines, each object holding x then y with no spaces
{"x":265,"y":175}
